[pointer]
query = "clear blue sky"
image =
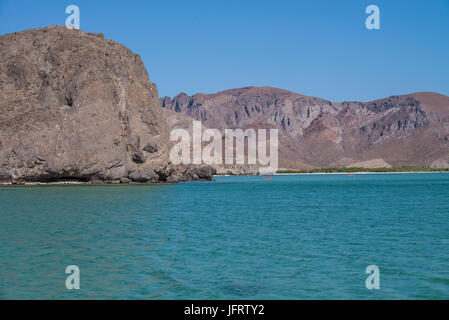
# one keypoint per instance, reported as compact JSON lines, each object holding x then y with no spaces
{"x":319,"y":48}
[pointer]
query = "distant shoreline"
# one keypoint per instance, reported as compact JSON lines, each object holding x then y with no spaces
{"x":324,"y":173}
{"x":401,"y":169}
{"x":353,"y":170}
{"x":349,"y":173}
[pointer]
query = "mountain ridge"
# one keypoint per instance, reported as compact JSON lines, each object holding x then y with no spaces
{"x":316,"y":132}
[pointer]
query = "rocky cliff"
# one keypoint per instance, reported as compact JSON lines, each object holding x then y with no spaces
{"x":76,"y":106}
{"x":399,"y":130}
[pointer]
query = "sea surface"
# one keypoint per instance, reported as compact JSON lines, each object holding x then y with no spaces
{"x":291,"y":237}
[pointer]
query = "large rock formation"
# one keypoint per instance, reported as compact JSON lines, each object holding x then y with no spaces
{"x":313,"y":132}
{"x":75,"y":106}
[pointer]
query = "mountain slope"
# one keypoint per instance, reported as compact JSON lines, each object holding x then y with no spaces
{"x":399,"y":130}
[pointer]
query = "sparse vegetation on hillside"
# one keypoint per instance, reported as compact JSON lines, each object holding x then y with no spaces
{"x":352,"y":170}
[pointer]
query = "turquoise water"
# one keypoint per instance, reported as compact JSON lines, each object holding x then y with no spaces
{"x":293,"y":237}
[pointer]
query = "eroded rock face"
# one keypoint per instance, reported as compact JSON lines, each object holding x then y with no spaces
{"x":398,"y":130}
{"x":75,"y":106}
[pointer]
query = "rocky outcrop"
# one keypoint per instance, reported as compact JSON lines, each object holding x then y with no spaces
{"x":75,"y":106}
{"x":399,"y":130}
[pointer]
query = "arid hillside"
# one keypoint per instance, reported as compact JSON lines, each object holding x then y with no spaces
{"x":399,"y":130}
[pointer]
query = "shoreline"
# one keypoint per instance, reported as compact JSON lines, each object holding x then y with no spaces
{"x":78,"y":183}
{"x":81,"y":183}
{"x":88,"y":183}
{"x":355,"y":172}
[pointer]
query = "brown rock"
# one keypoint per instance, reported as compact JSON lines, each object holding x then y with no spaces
{"x":313,"y":132}
{"x":76,"y":106}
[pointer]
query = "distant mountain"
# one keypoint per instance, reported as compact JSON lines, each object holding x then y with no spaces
{"x":399,"y":130}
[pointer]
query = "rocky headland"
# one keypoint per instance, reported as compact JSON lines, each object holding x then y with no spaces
{"x":76,"y":107}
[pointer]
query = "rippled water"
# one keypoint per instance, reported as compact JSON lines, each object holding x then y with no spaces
{"x":293,"y":237}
